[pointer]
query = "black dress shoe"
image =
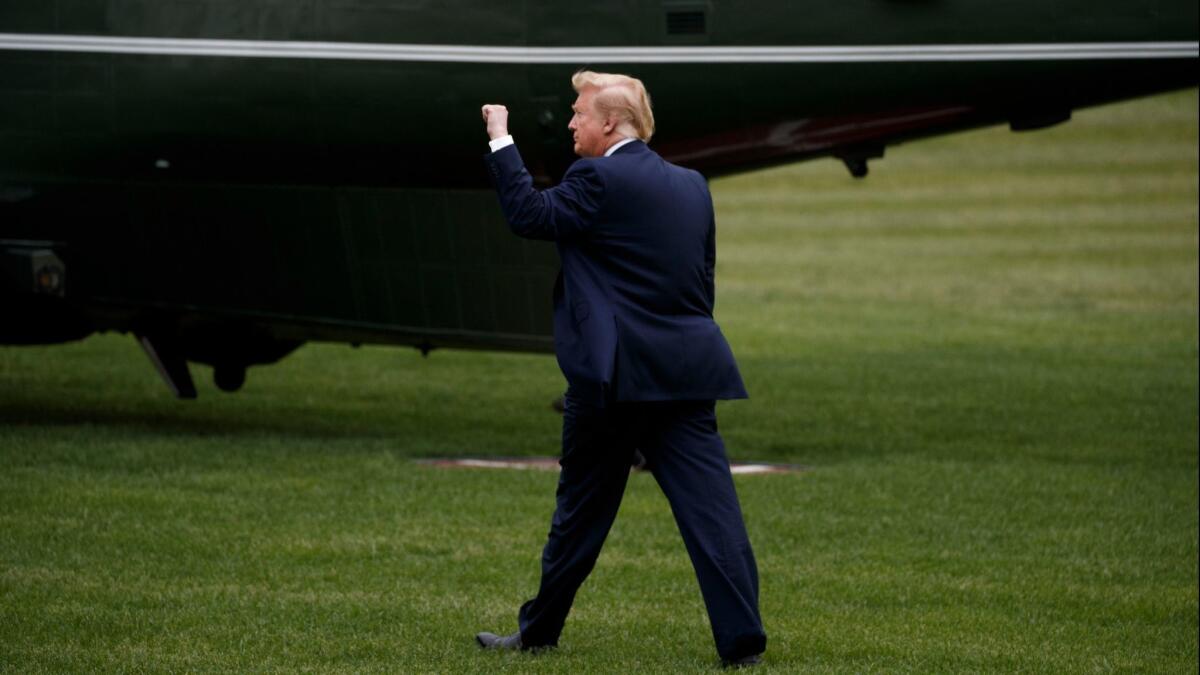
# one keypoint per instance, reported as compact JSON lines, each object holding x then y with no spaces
{"x":744,"y":662}
{"x":493,"y":641}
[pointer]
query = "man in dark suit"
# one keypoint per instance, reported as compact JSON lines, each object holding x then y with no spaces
{"x":643,"y":358}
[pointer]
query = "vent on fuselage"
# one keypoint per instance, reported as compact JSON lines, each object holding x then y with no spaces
{"x":686,"y":22}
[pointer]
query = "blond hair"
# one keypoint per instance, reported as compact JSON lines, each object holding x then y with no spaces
{"x":622,"y":97}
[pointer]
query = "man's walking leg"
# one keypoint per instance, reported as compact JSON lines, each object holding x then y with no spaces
{"x":595,"y":469}
{"x":688,"y":460}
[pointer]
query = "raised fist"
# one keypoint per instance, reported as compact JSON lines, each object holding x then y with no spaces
{"x":496,"y":118}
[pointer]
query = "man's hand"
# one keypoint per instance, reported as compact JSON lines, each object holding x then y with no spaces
{"x":496,"y":117}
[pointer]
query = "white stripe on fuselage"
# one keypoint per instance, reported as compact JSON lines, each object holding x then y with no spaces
{"x":278,"y":49}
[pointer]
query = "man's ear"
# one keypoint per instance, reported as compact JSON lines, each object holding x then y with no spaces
{"x":609,"y":125}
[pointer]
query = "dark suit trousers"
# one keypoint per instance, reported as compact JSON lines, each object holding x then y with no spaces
{"x":685,"y":453}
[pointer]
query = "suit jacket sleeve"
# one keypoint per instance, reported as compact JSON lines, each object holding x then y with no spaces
{"x":565,"y":211}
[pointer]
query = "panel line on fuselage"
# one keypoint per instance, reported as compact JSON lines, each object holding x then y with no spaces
{"x":574,"y":55}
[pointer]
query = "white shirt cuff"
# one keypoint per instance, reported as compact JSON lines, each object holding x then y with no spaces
{"x":502,"y":142}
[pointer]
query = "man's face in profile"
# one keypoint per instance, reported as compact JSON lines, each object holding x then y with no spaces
{"x":591,"y":140}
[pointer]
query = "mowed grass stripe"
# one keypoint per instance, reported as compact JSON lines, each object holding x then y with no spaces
{"x":986,"y":352}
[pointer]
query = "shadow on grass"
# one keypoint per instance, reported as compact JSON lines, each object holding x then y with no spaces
{"x":187,"y":419}
{"x":445,"y":430}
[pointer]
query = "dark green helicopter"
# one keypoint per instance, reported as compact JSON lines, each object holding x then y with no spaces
{"x":226,"y":180}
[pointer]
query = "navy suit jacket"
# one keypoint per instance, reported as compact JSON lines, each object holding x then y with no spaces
{"x":634,"y":299}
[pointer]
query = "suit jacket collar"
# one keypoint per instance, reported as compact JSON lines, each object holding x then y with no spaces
{"x":634,"y":146}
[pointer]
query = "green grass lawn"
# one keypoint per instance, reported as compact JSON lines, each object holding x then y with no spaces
{"x":986,"y":353}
